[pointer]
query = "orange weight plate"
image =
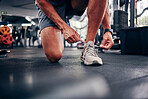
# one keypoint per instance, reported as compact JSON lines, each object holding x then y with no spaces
{"x":5,"y":30}
{"x":6,"y":39}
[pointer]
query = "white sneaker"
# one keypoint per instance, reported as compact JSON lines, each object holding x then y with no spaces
{"x":89,"y":55}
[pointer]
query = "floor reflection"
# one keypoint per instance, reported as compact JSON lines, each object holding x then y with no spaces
{"x":11,"y":80}
{"x":29,"y":79}
{"x":92,"y":87}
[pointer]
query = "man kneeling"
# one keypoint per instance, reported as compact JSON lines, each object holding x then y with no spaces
{"x":52,"y":20}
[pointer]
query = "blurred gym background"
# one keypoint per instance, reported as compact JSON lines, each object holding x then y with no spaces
{"x":21,"y":17}
{"x":26,"y":73}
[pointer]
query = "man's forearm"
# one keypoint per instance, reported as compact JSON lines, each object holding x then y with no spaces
{"x":106,"y":21}
{"x":50,"y":11}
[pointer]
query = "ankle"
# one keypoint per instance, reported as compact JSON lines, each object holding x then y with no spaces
{"x":89,"y":43}
{"x":89,"y":40}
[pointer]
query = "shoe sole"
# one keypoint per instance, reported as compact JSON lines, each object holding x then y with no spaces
{"x":90,"y":63}
{"x":93,"y":63}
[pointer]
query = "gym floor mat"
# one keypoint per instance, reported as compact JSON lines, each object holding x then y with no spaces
{"x":26,"y":73}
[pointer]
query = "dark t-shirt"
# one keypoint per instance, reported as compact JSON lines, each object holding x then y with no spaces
{"x":57,"y":2}
{"x":54,"y":2}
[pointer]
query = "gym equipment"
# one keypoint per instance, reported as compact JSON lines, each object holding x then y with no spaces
{"x":5,"y":30}
{"x":121,"y":2}
{"x":134,"y":40}
{"x":6,"y":39}
{"x":120,"y":20}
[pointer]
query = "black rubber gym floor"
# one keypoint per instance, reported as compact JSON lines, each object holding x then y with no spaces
{"x":27,"y":74}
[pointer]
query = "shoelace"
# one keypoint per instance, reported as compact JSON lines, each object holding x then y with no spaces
{"x":91,"y":51}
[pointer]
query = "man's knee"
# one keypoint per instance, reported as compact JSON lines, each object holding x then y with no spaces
{"x":54,"y":56}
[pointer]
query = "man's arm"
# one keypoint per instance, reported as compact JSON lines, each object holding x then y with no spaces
{"x":51,"y":13}
{"x":107,"y":42}
{"x":70,"y":34}
{"x":106,"y":21}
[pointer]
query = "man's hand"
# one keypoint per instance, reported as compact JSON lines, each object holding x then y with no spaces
{"x":70,"y":35}
{"x":107,"y":42}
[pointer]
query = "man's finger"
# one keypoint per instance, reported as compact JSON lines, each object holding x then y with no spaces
{"x":69,"y":40}
{"x":66,"y":36}
{"x":73,"y":39}
{"x":77,"y":38}
{"x":77,"y":35}
{"x":103,"y":43}
{"x":109,"y":45}
{"x":82,"y":40}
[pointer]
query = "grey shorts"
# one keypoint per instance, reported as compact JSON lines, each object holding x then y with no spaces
{"x":63,"y":9}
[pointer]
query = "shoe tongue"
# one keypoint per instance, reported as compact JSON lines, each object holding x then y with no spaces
{"x":90,"y":43}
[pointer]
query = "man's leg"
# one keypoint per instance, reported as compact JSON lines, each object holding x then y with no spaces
{"x":107,"y":42}
{"x":96,"y":11}
{"x":52,"y":43}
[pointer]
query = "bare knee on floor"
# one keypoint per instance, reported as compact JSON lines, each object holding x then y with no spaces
{"x":53,"y":56}
{"x":52,"y":43}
